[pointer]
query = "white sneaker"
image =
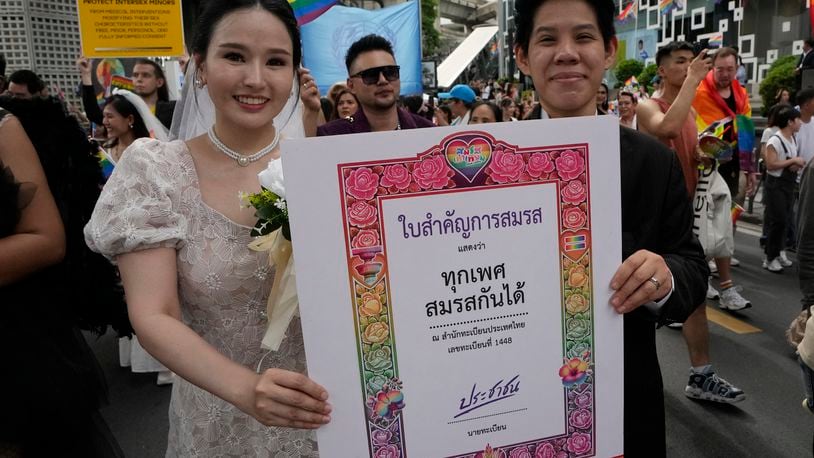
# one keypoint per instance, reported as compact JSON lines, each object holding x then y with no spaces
{"x":784,"y":260}
{"x":732,"y":300}
{"x":734,"y":262}
{"x":774,"y":265}
{"x":712,"y":293}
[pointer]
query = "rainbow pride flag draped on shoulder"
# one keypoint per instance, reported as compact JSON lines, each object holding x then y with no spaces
{"x":308,"y":10}
{"x":711,"y":108}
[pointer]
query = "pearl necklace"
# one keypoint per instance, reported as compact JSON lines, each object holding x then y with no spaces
{"x":242,"y":160}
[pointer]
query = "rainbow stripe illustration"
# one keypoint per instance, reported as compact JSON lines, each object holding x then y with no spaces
{"x":576,"y":243}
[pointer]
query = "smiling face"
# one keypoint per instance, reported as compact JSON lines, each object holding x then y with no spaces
{"x":248,"y":69}
{"x":346,"y":105}
{"x":115,"y":124}
{"x":627,"y":106}
{"x":381,"y":95}
{"x":566,"y":57}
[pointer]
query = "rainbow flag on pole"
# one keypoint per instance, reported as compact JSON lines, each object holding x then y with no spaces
{"x":308,"y":10}
{"x":717,"y":40}
{"x":632,"y":82}
{"x":631,"y":10}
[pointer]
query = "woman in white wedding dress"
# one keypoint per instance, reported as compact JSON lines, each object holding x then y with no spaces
{"x":170,"y":217}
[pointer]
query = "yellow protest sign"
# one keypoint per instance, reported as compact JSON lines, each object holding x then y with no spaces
{"x":131,"y":28}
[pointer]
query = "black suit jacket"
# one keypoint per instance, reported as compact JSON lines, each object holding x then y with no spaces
{"x":805,"y":62}
{"x":656,"y":216}
{"x":163,"y":110}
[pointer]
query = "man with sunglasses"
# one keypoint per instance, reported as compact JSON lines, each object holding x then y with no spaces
{"x":374,"y":79}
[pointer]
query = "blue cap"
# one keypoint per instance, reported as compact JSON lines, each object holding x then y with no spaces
{"x":461,"y":92}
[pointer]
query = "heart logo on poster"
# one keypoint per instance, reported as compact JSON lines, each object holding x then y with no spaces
{"x":469,"y":158}
{"x":574,"y":244}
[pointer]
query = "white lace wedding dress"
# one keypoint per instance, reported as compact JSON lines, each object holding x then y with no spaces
{"x":153,"y":200}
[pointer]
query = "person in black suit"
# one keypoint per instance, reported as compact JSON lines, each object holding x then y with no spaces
{"x":566,"y":46}
{"x":806,"y":62}
{"x":149,"y":82}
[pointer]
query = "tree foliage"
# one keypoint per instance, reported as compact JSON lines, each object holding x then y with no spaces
{"x":780,"y":75}
{"x":431,"y":38}
{"x":648,"y":74}
{"x":627,"y":68}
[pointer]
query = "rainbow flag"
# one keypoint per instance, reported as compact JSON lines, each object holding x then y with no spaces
{"x":631,"y":10}
{"x":631,"y":82}
{"x":104,"y":163}
{"x":665,"y":6}
{"x":737,"y":211}
{"x":717,"y":40}
{"x":308,"y":10}
{"x":121,"y":82}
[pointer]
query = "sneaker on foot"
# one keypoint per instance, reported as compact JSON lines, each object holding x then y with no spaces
{"x":713,"y":268}
{"x":784,"y":260}
{"x":710,"y":387}
{"x":765,"y":263}
{"x":774,"y":266}
{"x":732,"y":300}
{"x":675,"y":325}
{"x":712,"y":293}
{"x":734,"y":262}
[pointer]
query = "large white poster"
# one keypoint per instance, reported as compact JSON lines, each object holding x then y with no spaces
{"x":453,"y":288}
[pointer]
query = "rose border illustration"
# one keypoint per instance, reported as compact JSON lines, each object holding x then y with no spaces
{"x":363,"y":185}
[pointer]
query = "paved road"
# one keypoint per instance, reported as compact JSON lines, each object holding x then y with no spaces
{"x":769,"y":423}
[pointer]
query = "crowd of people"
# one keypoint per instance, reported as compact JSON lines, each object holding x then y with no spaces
{"x":163,"y":211}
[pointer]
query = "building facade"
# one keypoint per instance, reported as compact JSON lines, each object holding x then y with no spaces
{"x":42,"y":36}
{"x":763,"y":30}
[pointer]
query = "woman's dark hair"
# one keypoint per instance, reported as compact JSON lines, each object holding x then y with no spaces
{"x":327,"y":108}
{"x":412,"y":103}
{"x":214,"y":11}
{"x":125,"y":109}
{"x":446,"y":111}
{"x":604,"y":106}
{"x":163,"y":91}
{"x":496,"y":111}
{"x":505,"y":102}
{"x":335,"y":113}
{"x":770,"y":116}
{"x":85,"y":281}
{"x":784,"y":115}
{"x":525,"y":10}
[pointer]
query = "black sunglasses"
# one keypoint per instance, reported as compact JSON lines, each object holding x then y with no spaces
{"x":371,"y":75}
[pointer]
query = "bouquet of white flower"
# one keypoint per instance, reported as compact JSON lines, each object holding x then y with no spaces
{"x":273,"y":234}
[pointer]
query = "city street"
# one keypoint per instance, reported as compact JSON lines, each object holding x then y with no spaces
{"x":748,"y":349}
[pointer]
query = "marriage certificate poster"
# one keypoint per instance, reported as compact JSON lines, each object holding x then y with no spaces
{"x":453,"y":288}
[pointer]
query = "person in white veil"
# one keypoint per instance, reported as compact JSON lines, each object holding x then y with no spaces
{"x":127,"y":118}
{"x":171,"y":218}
